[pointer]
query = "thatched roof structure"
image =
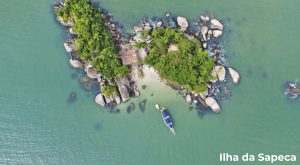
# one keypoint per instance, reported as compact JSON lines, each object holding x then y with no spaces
{"x":129,"y":56}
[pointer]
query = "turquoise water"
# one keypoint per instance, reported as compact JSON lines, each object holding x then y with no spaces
{"x":39,"y":126}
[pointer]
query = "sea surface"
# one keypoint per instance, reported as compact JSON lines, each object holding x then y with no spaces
{"x":39,"y":126}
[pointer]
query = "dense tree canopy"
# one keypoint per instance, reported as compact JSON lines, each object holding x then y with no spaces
{"x":94,"y":38}
{"x":190,"y":66}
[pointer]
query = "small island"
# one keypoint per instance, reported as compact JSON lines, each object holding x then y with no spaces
{"x":187,"y":57}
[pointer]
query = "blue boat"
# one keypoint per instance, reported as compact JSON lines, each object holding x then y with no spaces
{"x":166,"y":117}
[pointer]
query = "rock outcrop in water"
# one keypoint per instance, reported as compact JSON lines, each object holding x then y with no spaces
{"x":124,"y":84}
{"x":234,"y":75}
{"x":206,"y":29}
{"x":292,"y":90}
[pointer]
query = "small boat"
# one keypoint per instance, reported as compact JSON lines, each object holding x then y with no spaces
{"x":166,"y":117}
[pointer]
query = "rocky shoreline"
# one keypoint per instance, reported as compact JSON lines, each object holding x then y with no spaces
{"x":125,"y":86}
{"x":207,"y":29}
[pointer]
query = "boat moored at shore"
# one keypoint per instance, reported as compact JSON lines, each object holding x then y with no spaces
{"x":166,"y":117}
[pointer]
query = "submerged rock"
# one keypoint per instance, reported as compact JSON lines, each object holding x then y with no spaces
{"x":86,"y":82}
{"x":182,"y":22}
{"x":212,"y":103}
{"x":144,"y":87}
{"x":72,"y":97}
{"x":142,"y":105}
{"x":131,"y":107}
{"x":234,"y":75}
{"x":292,"y":90}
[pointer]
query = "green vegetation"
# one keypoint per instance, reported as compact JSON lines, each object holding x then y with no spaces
{"x":109,"y":89}
{"x":190,"y":66}
{"x":94,"y":37}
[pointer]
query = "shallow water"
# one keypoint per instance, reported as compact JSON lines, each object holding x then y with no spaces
{"x":39,"y":126}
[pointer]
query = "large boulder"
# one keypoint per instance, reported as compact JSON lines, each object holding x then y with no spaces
{"x":212,"y":103}
{"x":182,"y":22}
{"x":209,"y":33}
{"x":61,"y":21}
{"x":221,"y":72}
{"x":204,"y":30}
{"x":117,"y":98}
{"x":123,"y":85}
{"x":217,"y":33}
{"x":188,"y":98}
{"x":204,"y":45}
{"x":159,"y":24}
{"x":204,"y":18}
{"x":215,"y":24}
{"x":234,"y":75}
{"x":92,"y":73}
{"x":70,"y":47}
{"x":100,"y":99}
{"x":137,"y":29}
{"x":76,"y":63}
{"x":147,"y":26}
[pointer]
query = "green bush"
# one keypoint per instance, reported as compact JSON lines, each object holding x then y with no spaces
{"x":190,"y":66}
{"x":109,"y":89}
